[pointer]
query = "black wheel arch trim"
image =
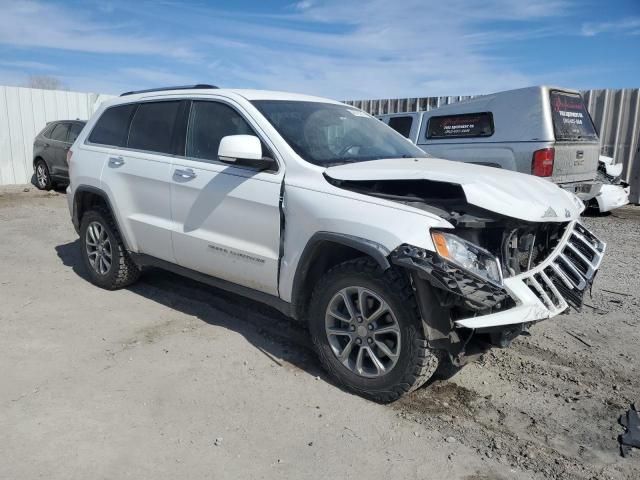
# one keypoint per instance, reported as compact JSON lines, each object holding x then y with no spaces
{"x":378,"y":252}
{"x":101,"y":193}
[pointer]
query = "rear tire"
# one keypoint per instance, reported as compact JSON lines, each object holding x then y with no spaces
{"x":403,"y":363}
{"x":103,"y":252}
{"x":43,"y":177}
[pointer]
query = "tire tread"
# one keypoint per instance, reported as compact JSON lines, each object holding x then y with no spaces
{"x":425,"y":360}
{"x":127,"y":271}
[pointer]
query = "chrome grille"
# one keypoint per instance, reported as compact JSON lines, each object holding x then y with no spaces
{"x":562,"y":279}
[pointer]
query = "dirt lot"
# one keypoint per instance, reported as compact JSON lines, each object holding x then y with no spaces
{"x":172,"y":379}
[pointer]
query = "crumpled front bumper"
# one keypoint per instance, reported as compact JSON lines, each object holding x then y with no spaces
{"x":543,"y":292}
{"x":611,"y":197}
{"x":548,"y":289}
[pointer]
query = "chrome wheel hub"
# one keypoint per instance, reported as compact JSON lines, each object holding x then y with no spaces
{"x":363,"y":332}
{"x":98,"y":248}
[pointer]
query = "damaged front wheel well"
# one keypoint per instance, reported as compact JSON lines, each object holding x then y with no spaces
{"x":324,"y":251}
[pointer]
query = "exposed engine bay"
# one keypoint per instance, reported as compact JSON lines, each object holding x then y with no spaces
{"x":519,"y":245}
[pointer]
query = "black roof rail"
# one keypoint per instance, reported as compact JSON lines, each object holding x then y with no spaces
{"x":162,"y":89}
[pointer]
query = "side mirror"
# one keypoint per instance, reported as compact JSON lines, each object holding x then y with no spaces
{"x":239,"y":147}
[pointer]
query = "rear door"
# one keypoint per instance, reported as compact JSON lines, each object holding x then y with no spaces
{"x":226,"y":217}
{"x":137,"y":142}
{"x":577,"y":146}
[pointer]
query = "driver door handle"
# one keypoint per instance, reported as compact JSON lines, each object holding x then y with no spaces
{"x":116,"y":161}
{"x":184,"y":173}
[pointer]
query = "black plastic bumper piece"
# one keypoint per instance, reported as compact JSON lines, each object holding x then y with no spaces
{"x":476,"y":293}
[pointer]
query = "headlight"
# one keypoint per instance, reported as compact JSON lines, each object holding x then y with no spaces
{"x":468,"y":256}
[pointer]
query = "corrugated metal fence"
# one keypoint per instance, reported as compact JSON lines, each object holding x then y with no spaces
{"x":23,"y":113}
{"x":616,"y":114}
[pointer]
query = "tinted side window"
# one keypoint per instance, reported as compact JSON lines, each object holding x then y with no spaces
{"x":461,"y":126}
{"x":74,"y":131}
{"x":402,"y":125}
{"x":208,"y":123}
{"x":47,"y":131}
{"x":112,"y":127}
{"x":59,"y":132}
{"x":152,"y":126}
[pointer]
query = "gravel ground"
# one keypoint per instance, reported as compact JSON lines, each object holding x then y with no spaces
{"x":171,"y":378}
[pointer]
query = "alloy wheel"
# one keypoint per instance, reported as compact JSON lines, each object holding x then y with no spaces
{"x":98,"y":248}
{"x":42,"y":176}
{"x":363,"y":332}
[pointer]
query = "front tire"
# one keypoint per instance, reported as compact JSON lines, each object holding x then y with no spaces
{"x":103,"y":253}
{"x":365,"y":326}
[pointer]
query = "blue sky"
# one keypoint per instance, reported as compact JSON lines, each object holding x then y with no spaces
{"x":337,"y":48}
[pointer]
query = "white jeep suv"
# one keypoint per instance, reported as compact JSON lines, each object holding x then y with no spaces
{"x":396,"y":261}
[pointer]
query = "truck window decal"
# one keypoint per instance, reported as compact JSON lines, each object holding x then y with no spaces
{"x":571,"y":120}
{"x":465,"y":125}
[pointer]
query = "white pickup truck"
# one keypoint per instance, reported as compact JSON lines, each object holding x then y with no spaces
{"x":543,"y":131}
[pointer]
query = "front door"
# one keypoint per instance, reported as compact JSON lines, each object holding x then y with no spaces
{"x":226,"y":218}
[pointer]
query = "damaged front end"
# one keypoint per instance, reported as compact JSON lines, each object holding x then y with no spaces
{"x":495,"y":275}
{"x":545,"y":269}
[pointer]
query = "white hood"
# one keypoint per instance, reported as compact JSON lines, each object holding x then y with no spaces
{"x":502,"y":191}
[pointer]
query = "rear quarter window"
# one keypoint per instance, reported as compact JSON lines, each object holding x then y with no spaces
{"x":402,"y":125}
{"x":466,"y":125}
{"x":74,"y":131}
{"x":112,"y":127}
{"x":59,"y":132}
{"x":571,"y":120}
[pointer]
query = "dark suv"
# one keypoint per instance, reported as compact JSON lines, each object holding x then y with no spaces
{"x":50,"y":152}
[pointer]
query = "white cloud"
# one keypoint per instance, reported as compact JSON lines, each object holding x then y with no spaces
{"x":337,"y":48}
{"x":153,"y":77}
{"x":36,"y":24}
{"x":27,"y":65}
{"x":624,"y":26}
{"x":384,"y":49}
{"x":303,"y":5}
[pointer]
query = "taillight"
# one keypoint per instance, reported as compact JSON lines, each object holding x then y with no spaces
{"x":542,"y":163}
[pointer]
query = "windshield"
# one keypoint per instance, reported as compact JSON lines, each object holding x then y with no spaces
{"x":327,"y":134}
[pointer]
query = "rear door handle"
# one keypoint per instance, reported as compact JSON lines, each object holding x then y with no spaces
{"x":116,"y":161}
{"x":184,"y":173}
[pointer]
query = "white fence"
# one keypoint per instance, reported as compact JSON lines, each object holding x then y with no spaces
{"x":23,"y":113}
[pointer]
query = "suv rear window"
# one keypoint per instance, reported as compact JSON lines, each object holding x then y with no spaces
{"x":402,"y":125}
{"x":112,"y":127}
{"x":571,"y":120}
{"x":152,"y":126}
{"x":465,"y":125}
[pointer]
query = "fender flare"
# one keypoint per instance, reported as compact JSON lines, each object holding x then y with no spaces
{"x":102,"y":194}
{"x":378,"y":252}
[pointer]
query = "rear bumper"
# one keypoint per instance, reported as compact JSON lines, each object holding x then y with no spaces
{"x":584,"y":190}
{"x":552,"y":286}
